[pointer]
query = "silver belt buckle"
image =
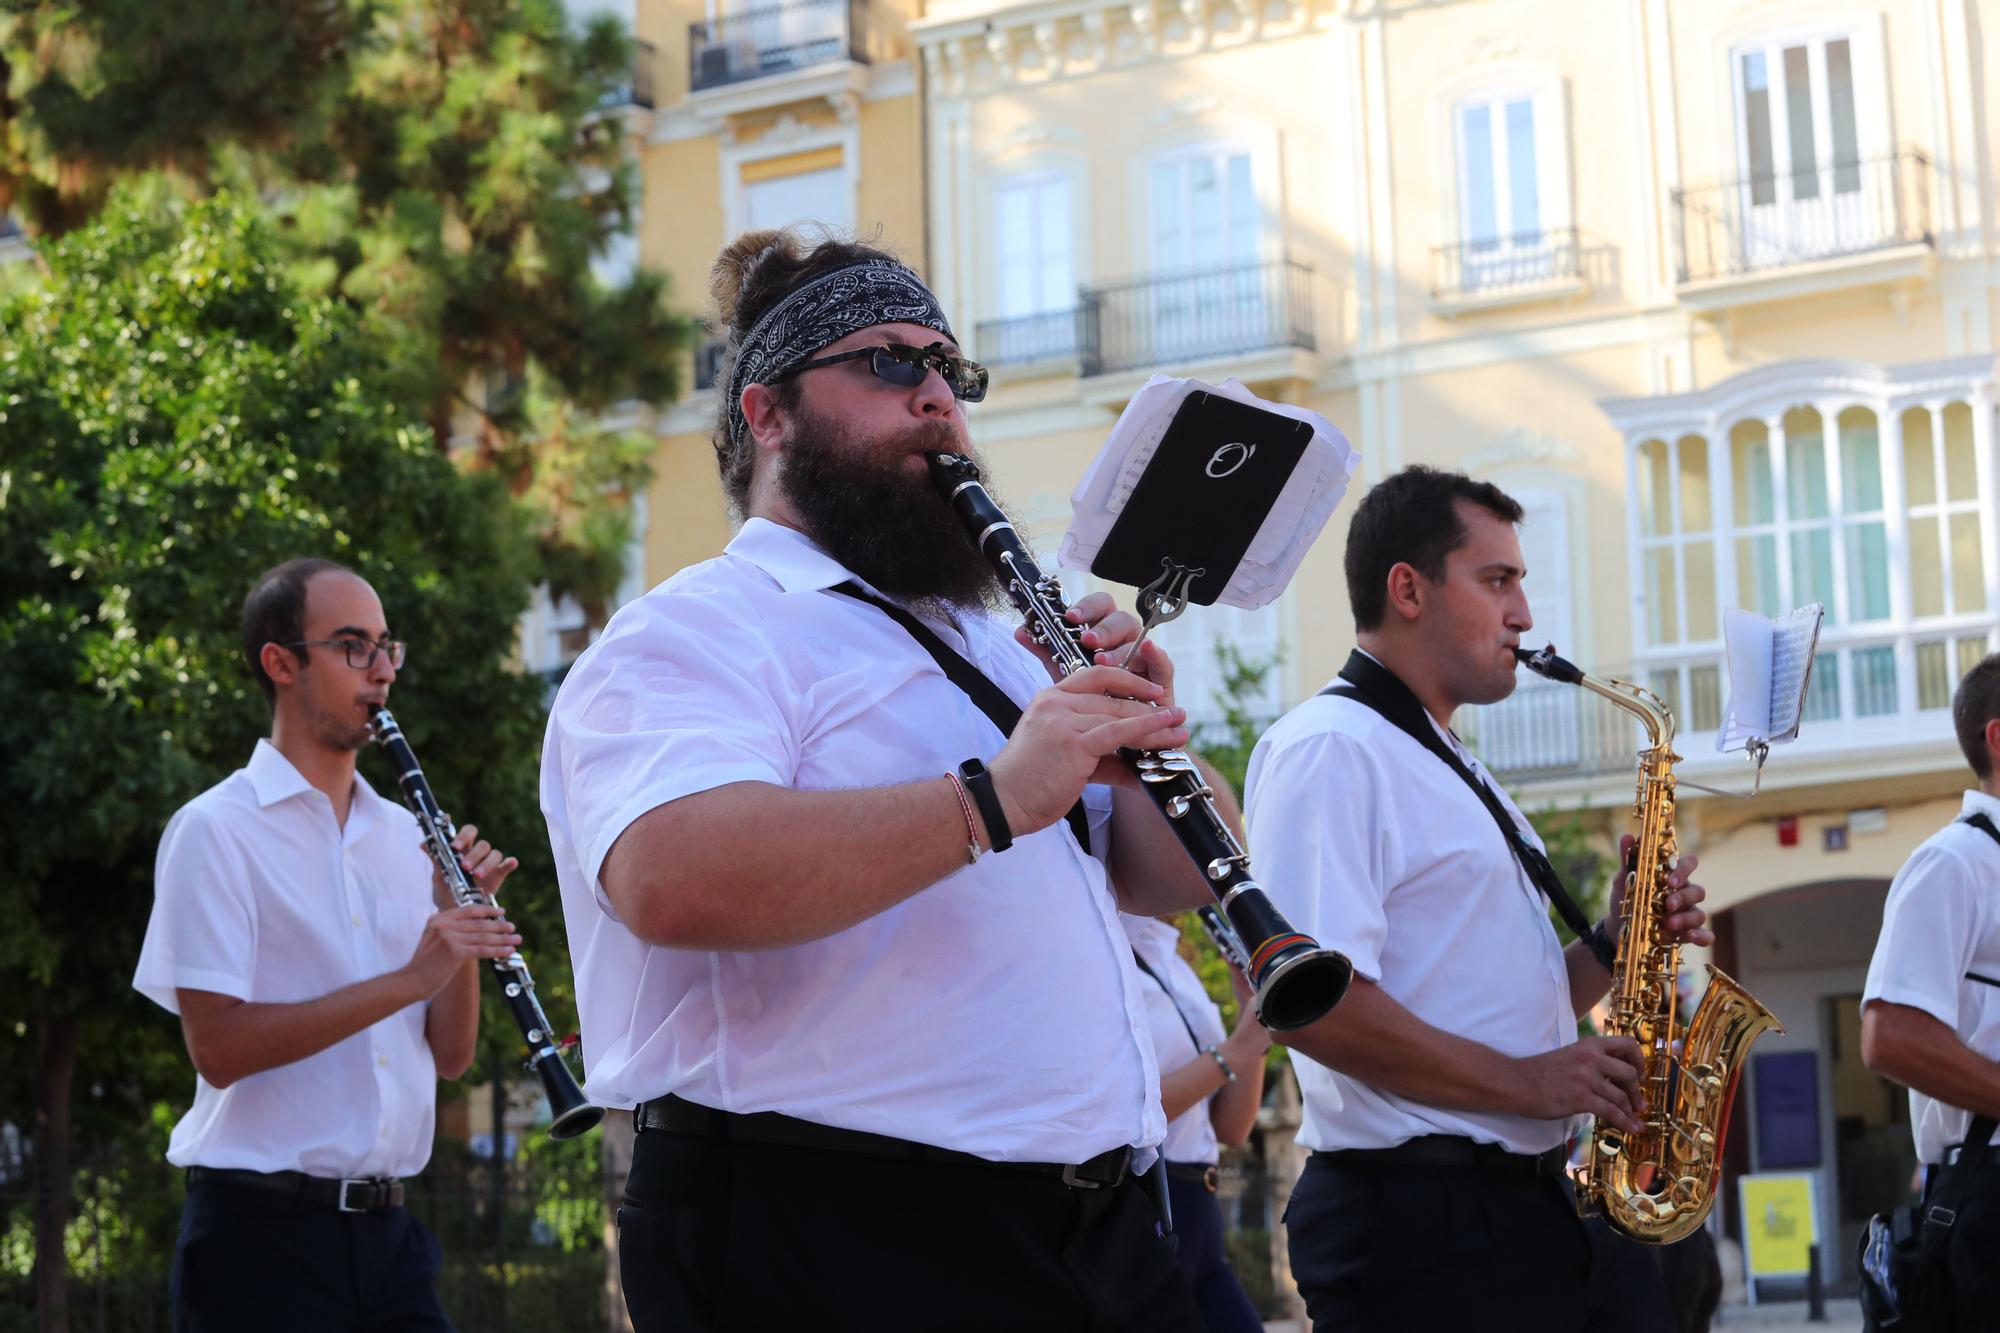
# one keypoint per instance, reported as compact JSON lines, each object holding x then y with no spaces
{"x":1076,"y":1182}
{"x":342,"y":1204}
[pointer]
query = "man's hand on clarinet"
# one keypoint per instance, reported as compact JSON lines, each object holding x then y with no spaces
{"x":1108,"y":633}
{"x":1070,"y":734}
{"x":482,"y":863}
{"x":455,"y":937}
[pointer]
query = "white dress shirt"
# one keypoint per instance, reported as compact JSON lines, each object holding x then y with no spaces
{"x":1941,"y":921}
{"x":260,"y":893}
{"x":1370,"y":843}
{"x":1178,"y":992}
{"x":995,"y":1012}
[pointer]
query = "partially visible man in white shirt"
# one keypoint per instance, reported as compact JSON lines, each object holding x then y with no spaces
{"x":834,"y":932}
{"x":1441,"y":1094}
{"x":324,"y":981}
{"x":1930,"y":1016}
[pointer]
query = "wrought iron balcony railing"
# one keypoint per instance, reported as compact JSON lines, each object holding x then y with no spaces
{"x":1837,"y":208}
{"x":1173,"y":320}
{"x":1198,"y":316}
{"x":1053,"y":335}
{"x":776,"y":39}
{"x":638,"y":91}
{"x":1503,"y":264}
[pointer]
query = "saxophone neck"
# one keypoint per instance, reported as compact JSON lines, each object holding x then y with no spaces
{"x":1642,"y":703}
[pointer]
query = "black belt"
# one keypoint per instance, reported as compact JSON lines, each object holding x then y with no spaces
{"x":673,"y":1115}
{"x":1203,"y":1174}
{"x":364,"y":1194}
{"x":1450,"y":1151}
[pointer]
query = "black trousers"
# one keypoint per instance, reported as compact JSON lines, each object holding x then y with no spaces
{"x":1412,"y":1249}
{"x":737,"y":1236}
{"x":249,"y":1260}
{"x":1198,"y":1228}
{"x":1972,"y":1258}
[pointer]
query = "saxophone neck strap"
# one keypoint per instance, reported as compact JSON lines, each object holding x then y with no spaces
{"x":1979,"y":821}
{"x":1000,"y":710}
{"x":1368,"y":682}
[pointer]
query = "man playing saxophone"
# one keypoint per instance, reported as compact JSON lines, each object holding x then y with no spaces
{"x":1440,"y":1097}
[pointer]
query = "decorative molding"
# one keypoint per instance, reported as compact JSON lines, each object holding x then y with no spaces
{"x":1517,"y":447}
{"x":1194,"y":106}
{"x":1489,"y":48}
{"x":1046,"y":40}
{"x":1038,"y":134}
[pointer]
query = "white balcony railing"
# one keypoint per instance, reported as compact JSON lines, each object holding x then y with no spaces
{"x":1869,"y":689}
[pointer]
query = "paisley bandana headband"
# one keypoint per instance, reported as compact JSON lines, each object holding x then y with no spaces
{"x":825,"y":310}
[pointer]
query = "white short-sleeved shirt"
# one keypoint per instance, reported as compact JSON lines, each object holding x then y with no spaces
{"x":1941,"y":921}
{"x":1370,"y":843}
{"x":1177,"y":994}
{"x":996,"y":1012}
{"x":260,"y":893}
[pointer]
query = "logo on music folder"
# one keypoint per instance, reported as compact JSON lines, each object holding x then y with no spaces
{"x":1229,"y":458}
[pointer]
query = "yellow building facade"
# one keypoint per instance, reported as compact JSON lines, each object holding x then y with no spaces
{"x":1709,"y":285}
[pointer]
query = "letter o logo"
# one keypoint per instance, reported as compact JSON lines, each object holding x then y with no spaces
{"x":1229,"y":458}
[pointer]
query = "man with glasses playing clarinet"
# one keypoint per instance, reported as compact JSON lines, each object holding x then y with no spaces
{"x":847,"y":946}
{"x":324,"y":981}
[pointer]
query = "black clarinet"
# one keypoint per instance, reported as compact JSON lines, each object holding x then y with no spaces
{"x":1293,"y":979}
{"x":573,"y":1113}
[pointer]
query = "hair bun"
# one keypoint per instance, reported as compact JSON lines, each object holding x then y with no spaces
{"x":737,"y":265}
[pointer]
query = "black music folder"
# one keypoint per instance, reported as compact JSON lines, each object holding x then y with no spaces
{"x":1211,"y":483}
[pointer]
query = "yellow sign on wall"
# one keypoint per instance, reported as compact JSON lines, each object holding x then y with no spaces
{"x":1780,"y":1224}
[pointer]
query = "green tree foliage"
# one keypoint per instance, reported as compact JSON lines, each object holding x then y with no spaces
{"x":448,"y":168}
{"x":175,"y":416}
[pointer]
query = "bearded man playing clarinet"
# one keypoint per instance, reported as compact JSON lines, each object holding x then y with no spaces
{"x":324,"y":978}
{"x":851,"y":950}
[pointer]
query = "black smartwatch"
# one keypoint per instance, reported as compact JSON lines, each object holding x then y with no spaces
{"x":978,"y":782}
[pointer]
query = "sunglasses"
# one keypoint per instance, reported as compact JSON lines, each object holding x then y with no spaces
{"x":905,"y":367}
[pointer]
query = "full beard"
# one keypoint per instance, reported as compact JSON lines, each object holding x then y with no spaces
{"x":885,"y":522}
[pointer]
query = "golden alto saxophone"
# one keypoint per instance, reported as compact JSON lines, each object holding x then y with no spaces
{"x":1658,"y":1185}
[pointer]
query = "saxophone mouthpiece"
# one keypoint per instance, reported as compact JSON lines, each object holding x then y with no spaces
{"x":1544,"y":662}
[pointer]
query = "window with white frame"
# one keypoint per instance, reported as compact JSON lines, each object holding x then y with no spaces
{"x":822,"y":195}
{"x":1872,"y":508}
{"x":1209,"y":297}
{"x":1804,"y":116}
{"x":1512,"y":194}
{"x":1035,"y":269}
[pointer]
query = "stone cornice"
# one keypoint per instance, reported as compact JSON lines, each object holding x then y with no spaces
{"x":1048,"y":40}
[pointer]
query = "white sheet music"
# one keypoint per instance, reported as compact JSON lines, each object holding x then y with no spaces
{"x":1770,"y":668}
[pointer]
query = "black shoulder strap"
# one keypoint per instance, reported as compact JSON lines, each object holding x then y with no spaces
{"x":1979,"y":821}
{"x":1179,"y":1013}
{"x":1002,"y":711}
{"x":1367,"y":681}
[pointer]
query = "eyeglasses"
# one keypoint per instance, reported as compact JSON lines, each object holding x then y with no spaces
{"x":361,"y":653}
{"x":905,"y":366}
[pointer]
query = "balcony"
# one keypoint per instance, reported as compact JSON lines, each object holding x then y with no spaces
{"x":638,"y":90}
{"x":1841,"y":224}
{"x":777,"y":40}
{"x":1506,"y":270}
{"x":1885,"y":697}
{"x":1181,"y":320}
